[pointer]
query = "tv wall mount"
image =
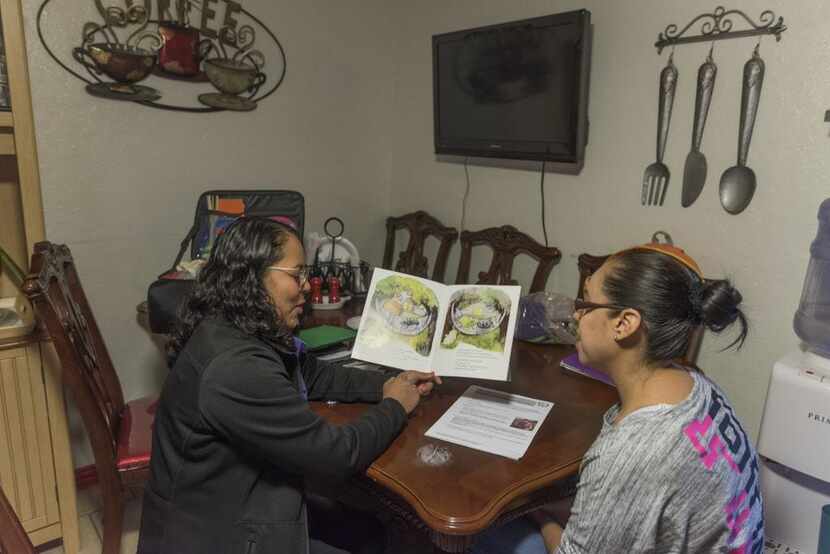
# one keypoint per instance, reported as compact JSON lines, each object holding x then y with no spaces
{"x":718,"y":25}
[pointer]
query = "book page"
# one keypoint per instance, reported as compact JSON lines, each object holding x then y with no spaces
{"x":492,"y":421}
{"x":399,"y":321}
{"x":476,"y":331}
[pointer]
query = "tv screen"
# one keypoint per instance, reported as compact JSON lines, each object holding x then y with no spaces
{"x":515,"y":90}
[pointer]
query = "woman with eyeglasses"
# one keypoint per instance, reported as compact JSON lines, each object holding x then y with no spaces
{"x":235,"y":440}
{"x":672,"y":469}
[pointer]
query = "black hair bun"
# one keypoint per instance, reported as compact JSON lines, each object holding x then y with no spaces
{"x":720,"y":309}
{"x":719,"y":305}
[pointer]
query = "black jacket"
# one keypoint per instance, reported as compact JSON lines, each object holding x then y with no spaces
{"x":234,"y":439}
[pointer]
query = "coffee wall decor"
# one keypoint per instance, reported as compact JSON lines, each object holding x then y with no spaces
{"x":216,"y":47}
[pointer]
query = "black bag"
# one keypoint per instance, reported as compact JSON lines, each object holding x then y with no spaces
{"x":215,"y":210}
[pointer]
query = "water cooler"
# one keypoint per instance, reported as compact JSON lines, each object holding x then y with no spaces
{"x":794,"y":446}
{"x":794,"y":442}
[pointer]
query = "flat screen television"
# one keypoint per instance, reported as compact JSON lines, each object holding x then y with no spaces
{"x":515,"y":90}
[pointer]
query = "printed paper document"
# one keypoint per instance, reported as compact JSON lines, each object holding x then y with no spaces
{"x":493,"y":421}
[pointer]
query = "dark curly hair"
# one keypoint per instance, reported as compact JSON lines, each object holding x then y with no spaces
{"x":230,"y":285}
{"x":673,"y":301}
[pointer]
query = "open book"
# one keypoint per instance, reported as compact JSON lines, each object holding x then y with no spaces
{"x":455,"y":330}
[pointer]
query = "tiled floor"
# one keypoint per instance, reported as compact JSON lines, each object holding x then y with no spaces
{"x":91,"y":527}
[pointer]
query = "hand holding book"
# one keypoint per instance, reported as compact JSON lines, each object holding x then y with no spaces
{"x":408,"y":388}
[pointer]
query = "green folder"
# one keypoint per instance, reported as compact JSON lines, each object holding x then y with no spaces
{"x":316,"y":338}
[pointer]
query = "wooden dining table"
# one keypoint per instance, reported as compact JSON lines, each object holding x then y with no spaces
{"x":452,"y":492}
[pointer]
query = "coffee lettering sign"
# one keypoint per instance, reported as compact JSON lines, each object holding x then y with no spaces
{"x":205,"y":44}
{"x":215,"y":14}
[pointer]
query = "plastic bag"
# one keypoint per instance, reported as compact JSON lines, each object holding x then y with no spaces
{"x":546,"y":317}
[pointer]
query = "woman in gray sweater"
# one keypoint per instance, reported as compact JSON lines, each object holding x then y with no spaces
{"x":672,"y":469}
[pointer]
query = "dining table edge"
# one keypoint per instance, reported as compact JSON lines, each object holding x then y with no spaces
{"x":492,"y":510}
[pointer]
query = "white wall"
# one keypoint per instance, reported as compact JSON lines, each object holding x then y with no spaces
{"x":764,"y":249}
{"x":120,"y":181}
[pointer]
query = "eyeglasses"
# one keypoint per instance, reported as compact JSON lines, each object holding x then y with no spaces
{"x":300,"y":274}
{"x":584,"y":306}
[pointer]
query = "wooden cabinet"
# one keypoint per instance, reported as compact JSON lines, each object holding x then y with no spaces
{"x":36,"y":470}
{"x":26,"y":470}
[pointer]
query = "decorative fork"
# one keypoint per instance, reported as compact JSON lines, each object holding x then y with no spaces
{"x":656,"y":176}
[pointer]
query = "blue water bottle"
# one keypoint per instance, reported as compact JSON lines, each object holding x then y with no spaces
{"x":812,"y":319}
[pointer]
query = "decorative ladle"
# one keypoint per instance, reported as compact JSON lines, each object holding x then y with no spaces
{"x":737,"y":184}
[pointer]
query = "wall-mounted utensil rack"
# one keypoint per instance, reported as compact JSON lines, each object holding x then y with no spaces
{"x":718,"y":26}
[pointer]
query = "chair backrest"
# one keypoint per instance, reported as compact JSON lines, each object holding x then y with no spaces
{"x":506,"y":242}
{"x":61,"y":306}
{"x":589,"y":264}
{"x":13,"y":538}
{"x":421,"y":226}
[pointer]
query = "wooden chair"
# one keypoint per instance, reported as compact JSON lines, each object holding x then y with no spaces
{"x":119,"y":432}
{"x":506,"y":242}
{"x":421,"y":226}
{"x":589,"y":264}
{"x":13,"y":538}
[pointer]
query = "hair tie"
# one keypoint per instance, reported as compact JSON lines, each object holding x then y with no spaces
{"x":696,"y":290}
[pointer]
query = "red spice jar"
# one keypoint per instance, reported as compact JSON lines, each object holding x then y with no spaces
{"x":316,"y":294}
{"x":334,"y":290}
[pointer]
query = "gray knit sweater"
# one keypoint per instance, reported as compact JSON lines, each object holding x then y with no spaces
{"x":669,"y":479}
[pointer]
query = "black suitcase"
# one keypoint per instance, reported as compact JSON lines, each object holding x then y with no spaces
{"x":215,"y":210}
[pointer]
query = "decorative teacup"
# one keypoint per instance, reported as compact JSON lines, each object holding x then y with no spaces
{"x":125,"y":64}
{"x":232,"y":76}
